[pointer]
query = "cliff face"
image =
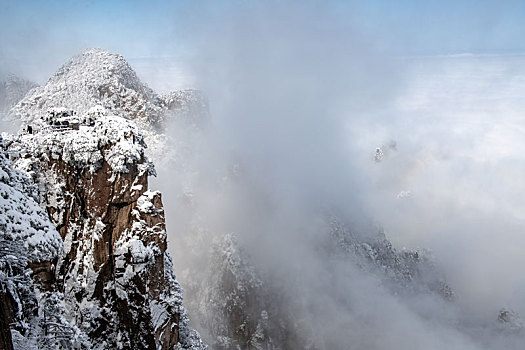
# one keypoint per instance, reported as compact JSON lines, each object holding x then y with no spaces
{"x":108,"y":282}
{"x":238,"y":308}
{"x":27,"y":239}
{"x":114,"y":272}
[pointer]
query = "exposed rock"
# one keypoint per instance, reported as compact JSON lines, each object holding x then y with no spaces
{"x":114,"y":272}
{"x":28,"y":240}
{"x":6,"y":318}
{"x":237,"y":307}
{"x":242,"y":307}
{"x":385,"y":150}
{"x":81,"y":145}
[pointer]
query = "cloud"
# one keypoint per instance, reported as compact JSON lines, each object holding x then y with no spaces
{"x":300,"y":99}
{"x":301,"y":95}
{"x":458,"y":133}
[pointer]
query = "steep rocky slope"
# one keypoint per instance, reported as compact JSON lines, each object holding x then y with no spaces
{"x":109,"y":278}
{"x":97,"y":81}
{"x":325,"y":297}
{"x":95,"y":271}
{"x":29,"y":250}
{"x":243,"y":305}
{"x":114,"y":272}
{"x":189,"y":104}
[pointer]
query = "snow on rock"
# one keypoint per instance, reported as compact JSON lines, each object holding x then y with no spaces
{"x":509,"y":320}
{"x":189,"y":105}
{"x":93,"y":77}
{"x":235,"y":306}
{"x":113,"y":229}
{"x":96,"y":83}
{"x":240,"y":306}
{"x":405,"y":272}
{"x":114,"y":269}
{"x":21,"y":218}
{"x":29,"y":247}
{"x":112,"y":138}
{"x":145,"y":204}
{"x":186,"y":100}
{"x":82,"y":147}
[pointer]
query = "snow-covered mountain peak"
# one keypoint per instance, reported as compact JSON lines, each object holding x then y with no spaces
{"x":93,"y":78}
{"x":96,"y":66}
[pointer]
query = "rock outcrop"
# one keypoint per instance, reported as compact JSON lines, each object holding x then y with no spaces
{"x":189,"y":104}
{"x":114,"y":272}
{"x":241,"y":306}
{"x":108,"y":282}
{"x":29,"y":250}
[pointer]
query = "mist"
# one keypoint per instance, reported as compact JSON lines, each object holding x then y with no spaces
{"x":299,"y":101}
{"x":393,"y":122}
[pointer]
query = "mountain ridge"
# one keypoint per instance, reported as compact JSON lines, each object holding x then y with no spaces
{"x":82,"y":146}
{"x":93,"y":77}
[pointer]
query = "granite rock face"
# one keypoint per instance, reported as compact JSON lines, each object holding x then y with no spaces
{"x":114,"y":272}
{"x":108,"y":281}
{"x":29,"y":250}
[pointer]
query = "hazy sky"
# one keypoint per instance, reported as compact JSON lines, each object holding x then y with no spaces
{"x":36,"y":36}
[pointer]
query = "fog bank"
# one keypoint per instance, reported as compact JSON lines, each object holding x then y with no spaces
{"x":300,"y":100}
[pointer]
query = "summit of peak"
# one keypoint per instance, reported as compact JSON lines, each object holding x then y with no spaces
{"x":98,"y":78}
{"x":97,"y":55}
{"x":94,"y":77}
{"x":95,"y":62}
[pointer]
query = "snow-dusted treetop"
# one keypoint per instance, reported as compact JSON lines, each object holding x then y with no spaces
{"x":113,"y":138}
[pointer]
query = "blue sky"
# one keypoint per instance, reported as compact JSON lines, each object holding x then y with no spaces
{"x":45,"y":33}
{"x":442,"y":27}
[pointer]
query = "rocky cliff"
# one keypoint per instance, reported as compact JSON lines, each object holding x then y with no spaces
{"x":29,"y":250}
{"x":96,"y":77}
{"x":114,"y":272}
{"x":108,"y":282}
{"x":242,"y":305}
